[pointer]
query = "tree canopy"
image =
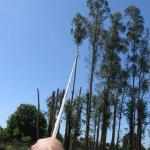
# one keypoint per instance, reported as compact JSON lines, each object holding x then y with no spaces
{"x":22,"y":123}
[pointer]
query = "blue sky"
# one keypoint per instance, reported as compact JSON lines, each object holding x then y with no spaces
{"x":37,"y":51}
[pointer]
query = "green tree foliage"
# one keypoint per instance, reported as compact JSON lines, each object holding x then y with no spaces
{"x":73,"y":121}
{"x":110,"y":76}
{"x":79,"y":34}
{"x":138,"y":60}
{"x":22,"y":123}
{"x":3,"y":134}
{"x":53,"y":104}
{"x":79,"y":29}
{"x":77,"y":119}
{"x":143,"y":88}
{"x":123,"y":90}
{"x":98,"y":12}
{"x":121,"y":80}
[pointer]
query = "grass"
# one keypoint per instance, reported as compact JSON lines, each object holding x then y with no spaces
{"x":14,"y":147}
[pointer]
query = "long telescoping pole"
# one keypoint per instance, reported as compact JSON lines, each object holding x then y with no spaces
{"x":56,"y":127}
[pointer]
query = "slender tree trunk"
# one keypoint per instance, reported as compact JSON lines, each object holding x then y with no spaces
{"x":139,"y":117}
{"x":87,"y":122}
{"x":105,"y":120}
{"x":139,"y":128}
{"x":120,"y":117}
{"x":69,"y":131}
{"x":66,"y":134}
{"x":133,"y":110}
{"x":132,"y":120}
{"x":90,"y":97}
{"x":51,"y":114}
{"x":104,"y":134}
{"x":77,"y":123}
{"x":106,"y":115}
{"x":62,"y":95}
{"x":72,"y":97}
{"x":114,"y":123}
{"x":75,"y":72}
{"x":94,"y":136}
{"x":56,"y":105}
{"x":98,"y":129}
{"x":38,"y":111}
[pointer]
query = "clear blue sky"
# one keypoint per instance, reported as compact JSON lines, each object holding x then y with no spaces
{"x":36,"y":48}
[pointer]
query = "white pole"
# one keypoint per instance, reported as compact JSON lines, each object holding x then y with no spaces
{"x":63,"y":101}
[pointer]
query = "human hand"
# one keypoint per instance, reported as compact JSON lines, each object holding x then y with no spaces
{"x":47,"y":144}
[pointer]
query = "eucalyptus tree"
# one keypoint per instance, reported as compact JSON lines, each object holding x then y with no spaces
{"x":115,"y":46}
{"x":135,"y":28}
{"x":79,"y":34}
{"x":123,"y":90}
{"x":98,"y":12}
{"x":143,"y":87}
{"x":110,"y":69}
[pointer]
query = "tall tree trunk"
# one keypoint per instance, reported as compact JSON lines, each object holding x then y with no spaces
{"x":106,"y":115}
{"x":60,"y":102}
{"x":38,"y":111}
{"x":104,"y":134}
{"x":90,"y":96}
{"x":139,"y":128}
{"x":75,"y":72}
{"x":77,"y":123}
{"x":132,"y":120}
{"x":87,"y":122}
{"x":72,"y":97}
{"x":51,"y":115}
{"x":120,"y":117}
{"x":98,"y":129}
{"x":56,"y":105}
{"x":105,"y":120}
{"x":94,"y":135}
{"x":133,"y":110}
{"x":114,"y":123}
{"x":69,"y":131}
{"x":66,"y":135}
{"x":139,"y":117}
